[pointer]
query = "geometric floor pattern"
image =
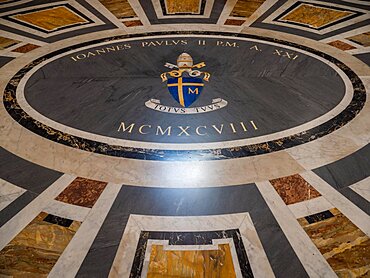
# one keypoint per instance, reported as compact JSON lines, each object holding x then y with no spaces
{"x":197,"y":138}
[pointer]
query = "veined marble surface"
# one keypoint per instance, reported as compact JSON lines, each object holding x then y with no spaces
{"x":274,"y":184}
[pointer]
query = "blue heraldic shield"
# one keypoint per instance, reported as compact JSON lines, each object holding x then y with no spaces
{"x":185,"y":90}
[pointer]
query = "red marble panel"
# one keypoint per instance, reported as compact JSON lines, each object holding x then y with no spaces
{"x":82,"y":192}
{"x":294,"y":189}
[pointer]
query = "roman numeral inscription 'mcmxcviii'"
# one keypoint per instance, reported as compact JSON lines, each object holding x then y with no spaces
{"x":201,"y":130}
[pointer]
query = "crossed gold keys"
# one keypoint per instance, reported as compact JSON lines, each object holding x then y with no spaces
{"x":179,"y":70}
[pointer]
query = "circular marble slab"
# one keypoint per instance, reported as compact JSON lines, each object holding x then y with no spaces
{"x":274,"y":95}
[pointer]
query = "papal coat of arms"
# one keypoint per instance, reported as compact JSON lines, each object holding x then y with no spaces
{"x":185,"y":82}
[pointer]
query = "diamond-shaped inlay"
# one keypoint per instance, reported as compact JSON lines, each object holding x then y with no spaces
{"x":314,"y":16}
{"x":51,"y":19}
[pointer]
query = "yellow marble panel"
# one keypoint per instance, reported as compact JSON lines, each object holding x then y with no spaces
{"x":344,"y":246}
{"x":245,"y":8}
{"x":51,"y":19}
{"x":184,"y":6}
{"x":119,"y":8}
{"x":362,"y":39}
{"x":5,"y":43}
{"x":314,"y":16}
{"x":191,"y":263}
{"x":36,"y":249}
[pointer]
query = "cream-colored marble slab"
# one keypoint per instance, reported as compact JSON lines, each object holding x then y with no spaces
{"x":350,"y":210}
{"x":357,"y":2}
{"x":228,"y":7}
{"x":312,"y":260}
{"x":14,"y":3}
{"x":22,"y":38}
{"x":68,"y":211}
{"x":359,"y":50}
{"x":8,"y":193}
{"x":310,"y":207}
{"x":347,"y":34}
{"x":104,"y":11}
{"x":259,"y":262}
{"x":259,"y":12}
{"x":10,"y":54}
{"x":72,"y":257}
{"x":11,"y":228}
{"x":138,"y":9}
{"x":362,"y":188}
{"x":126,"y":251}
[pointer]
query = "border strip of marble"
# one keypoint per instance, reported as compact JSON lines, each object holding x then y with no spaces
{"x":207,"y":10}
{"x":74,"y":254}
{"x":22,"y":38}
{"x":357,"y":2}
{"x":95,"y":20}
{"x":196,"y":146}
{"x":310,"y":257}
{"x":98,"y":6}
{"x":68,"y":211}
{"x":137,"y":223}
{"x":259,"y":12}
{"x":13,"y":3}
{"x":356,"y":199}
{"x":362,"y":188}
{"x":271,"y":18}
{"x":10,"y":54}
{"x":359,"y":51}
{"x":138,"y":9}
{"x":11,"y":228}
{"x":350,"y":33}
{"x":310,"y":207}
{"x":350,"y":210}
{"x":228,"y":8}
{"x":8,"y":193}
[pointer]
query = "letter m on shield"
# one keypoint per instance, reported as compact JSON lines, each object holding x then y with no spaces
{"x":185,"y":90}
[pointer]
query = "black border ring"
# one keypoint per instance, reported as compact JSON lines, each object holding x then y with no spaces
{"x":13,"y":108}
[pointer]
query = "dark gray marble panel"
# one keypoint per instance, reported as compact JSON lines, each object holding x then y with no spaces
{"x":5,"y":60}
{"x":348,"y":170}
{"x":17,"y":205}
{"x":148,"y":8}
{"x":364,"y":57}
{"x":191,"y":202}
{"x":25,"y":174}
{"x":357,"y":199}
{"x":96,"y":94}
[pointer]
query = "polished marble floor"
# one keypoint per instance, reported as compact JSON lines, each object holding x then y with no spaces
{"x":193,"y":138}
